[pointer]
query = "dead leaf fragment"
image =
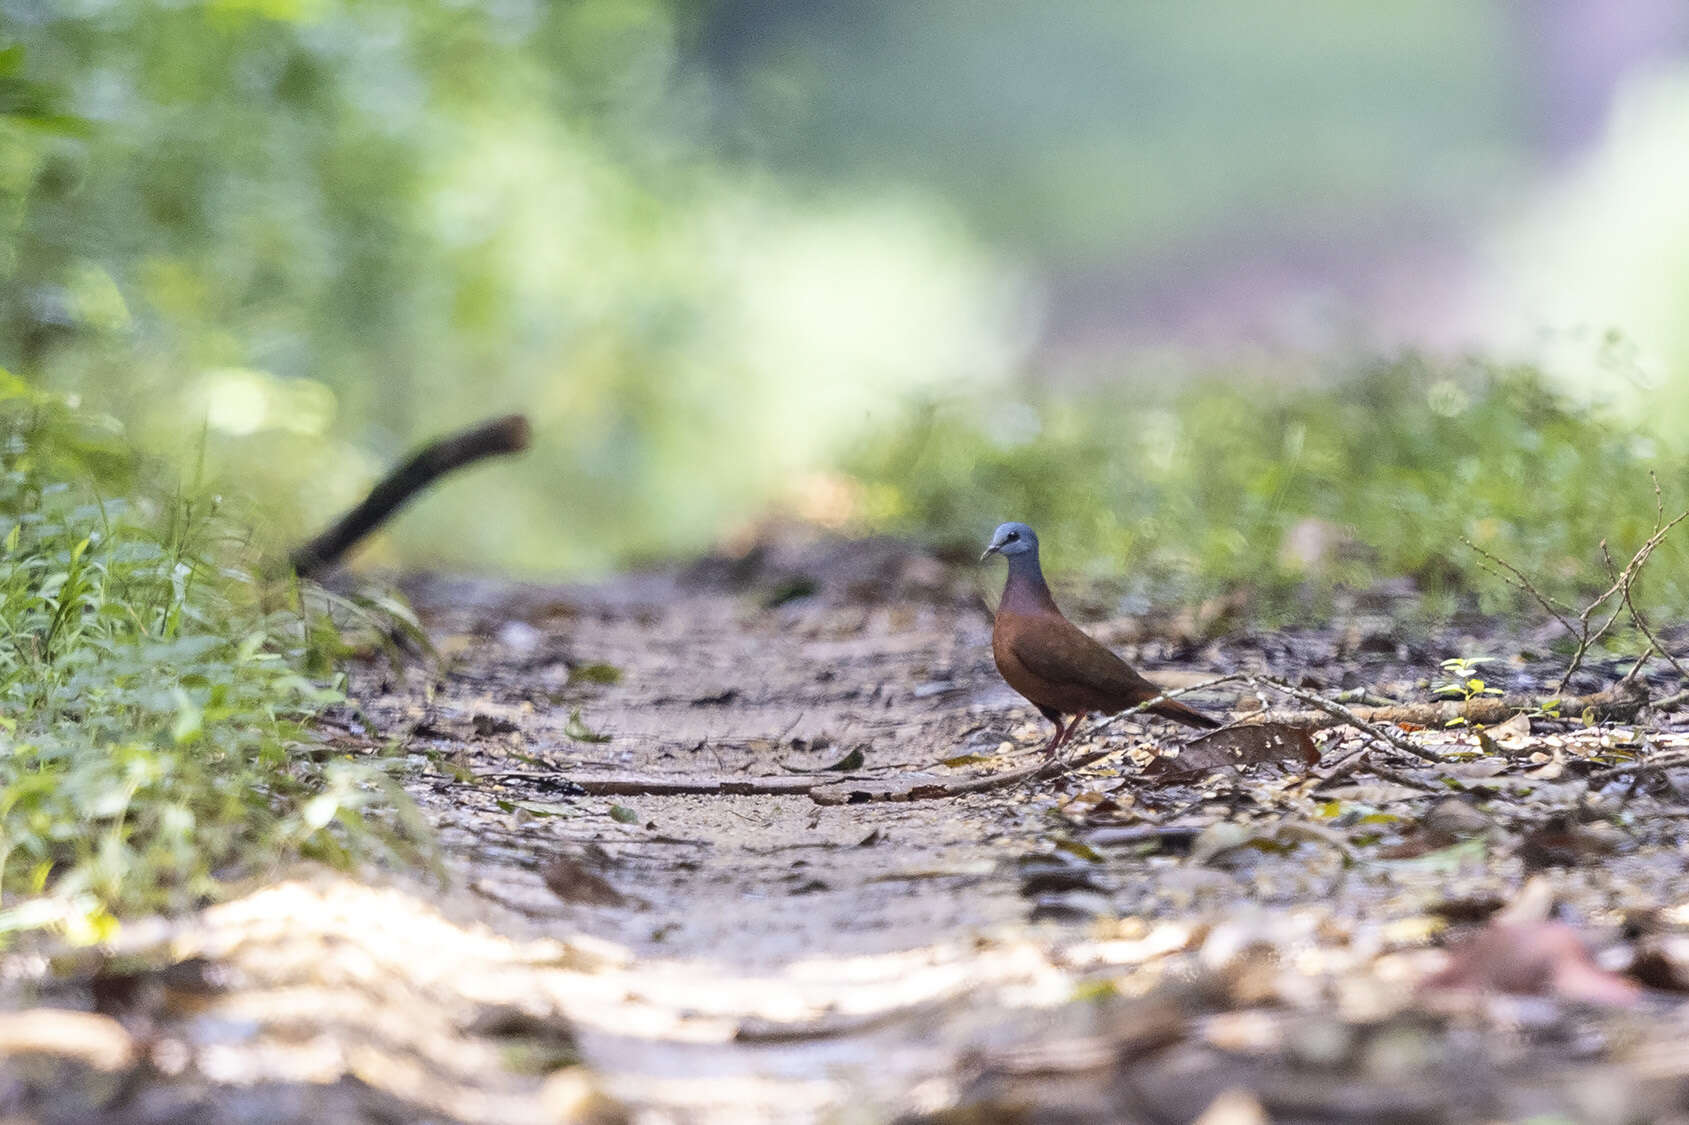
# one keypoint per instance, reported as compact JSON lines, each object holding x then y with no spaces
{"x":487,"y":725}
{"x":1533,"y":959}
{"x":1376,"y":794}
{"x":1077,"y":849}
{"x":1663,"y":962}
{"x":98,"y":1041}
{"x":1532,"y":903}
{"x":597,"y":672}
{"x":1223,"y":837}
{"x":1480,"y":768}
{"x":1454,"y":819}
{"x":1222,"y":840}
{"x":1234,"y":1107}
{"x":1562,"y":842}
{"x":572,"y":881}
{"x":1519,"y":726}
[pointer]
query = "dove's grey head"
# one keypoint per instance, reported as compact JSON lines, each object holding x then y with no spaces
{"x":1011,"y":539}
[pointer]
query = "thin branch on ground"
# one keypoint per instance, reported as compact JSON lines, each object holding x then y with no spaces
{"x":1174,"y":693}
{"x":843,"y":792}
{"x":1640,"y":766}
{"x":659,"y":785}
{"x":925,"y":788}
{"x":1672,"y":701}
{"x":1362,"y":759}
{"x":1385,"y":773}
{"x":1342,"y":769}
{"x":1619,"y":703}
{"x":1338,"y":711}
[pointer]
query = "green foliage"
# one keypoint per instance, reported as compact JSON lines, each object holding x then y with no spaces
{"x":704,"y":246}
{"x":150,"y":706}
{"x":1231,"y":482}
{"x":320,"y":233}
{"x":1113,"y":132}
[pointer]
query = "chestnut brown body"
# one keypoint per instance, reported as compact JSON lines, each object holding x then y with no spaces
{"x":1047,"y":659}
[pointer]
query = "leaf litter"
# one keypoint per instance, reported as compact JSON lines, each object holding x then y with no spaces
{"x":1319,"y":929}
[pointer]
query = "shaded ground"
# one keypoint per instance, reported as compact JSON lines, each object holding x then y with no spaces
{"x":680,"y":922}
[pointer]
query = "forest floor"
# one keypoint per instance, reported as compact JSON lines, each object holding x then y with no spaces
{"x":671,"y":889}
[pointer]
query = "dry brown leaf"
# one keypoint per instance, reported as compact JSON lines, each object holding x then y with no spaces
{"x":1239,"y":746}
{"x":571,"y":881}
{"x":1533,"y":959}
{"x":1519,"y":726}
{"x":1562,"y":842}
{"x":1662,"y":962}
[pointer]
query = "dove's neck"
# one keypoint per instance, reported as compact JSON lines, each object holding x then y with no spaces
{"x":1026,"y":590}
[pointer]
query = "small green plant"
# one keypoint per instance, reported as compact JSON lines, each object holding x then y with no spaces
{"x":1462,"y":680}
{"x":577,"y":729}
{"x":153,"y":707}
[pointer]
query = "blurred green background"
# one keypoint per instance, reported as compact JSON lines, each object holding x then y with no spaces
{"x":1198,"y":286}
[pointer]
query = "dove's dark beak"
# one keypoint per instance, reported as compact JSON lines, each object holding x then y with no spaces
{"x":989,"y":551}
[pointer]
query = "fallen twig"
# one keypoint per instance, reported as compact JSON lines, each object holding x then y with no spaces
{"x":659,"y":785}
{"x":857,"y":789}
{"x":1119,"y":835}
{"x":1344,"y":715}
{"x":1641,"y":766}
{"x":1103,"y":724}
{"x":1362,"y":757}
{"x":1342,"y":769}
{"x":1618,"y":703}
{"x":928,"y":787}
{"x":1671,"y":702}
{"x":1397,"y":777}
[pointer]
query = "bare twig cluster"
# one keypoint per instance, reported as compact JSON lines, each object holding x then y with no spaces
{"x":1591,"y":623}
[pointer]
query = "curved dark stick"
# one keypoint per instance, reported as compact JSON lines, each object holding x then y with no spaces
{"x":490,"y":439}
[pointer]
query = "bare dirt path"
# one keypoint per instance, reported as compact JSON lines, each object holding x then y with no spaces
{"x":647,"y":913}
